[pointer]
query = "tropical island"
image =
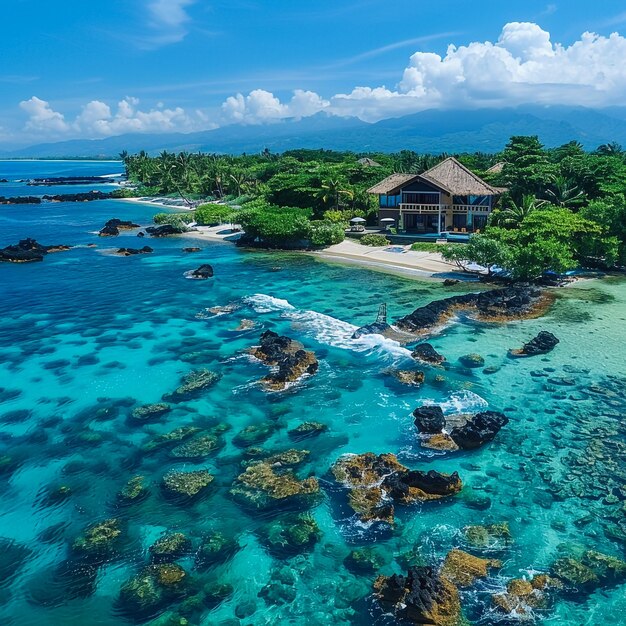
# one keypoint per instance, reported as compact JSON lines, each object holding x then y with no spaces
{"x":518,"y":214}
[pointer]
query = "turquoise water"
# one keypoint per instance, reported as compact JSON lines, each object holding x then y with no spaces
{"x":85,"y":330}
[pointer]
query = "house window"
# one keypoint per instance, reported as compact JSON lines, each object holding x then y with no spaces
{"x":421,"y":198}
{"x":389,"y":201}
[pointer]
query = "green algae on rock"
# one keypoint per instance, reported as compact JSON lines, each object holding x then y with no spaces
{"x":198,"y":447}
{"x":170,"y":547}
{"x":99,"y":540}
{"x":265,"y":484}
{"x":192,"y":385}
{"x":307,"y":429}
{"x":290,"y":534}
{"x":376,"y":481}
{"x":134,"y":490}
{"x":463,"y":569}
{"x":150,"y":412}
{"x":215,"y":548}
{"x":488,"y":536}
{"x":186,"y":484}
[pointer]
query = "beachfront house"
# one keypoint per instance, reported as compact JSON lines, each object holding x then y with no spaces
{"x":446,"y":198}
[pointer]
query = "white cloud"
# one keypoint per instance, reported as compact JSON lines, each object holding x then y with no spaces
{"x":261,"y":106}
{"x":98,"y":120}
{"x":168,"y":22}
{"x":523,"y":66}
{"x":41,"y":117}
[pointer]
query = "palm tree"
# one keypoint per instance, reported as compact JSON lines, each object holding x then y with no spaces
{"x":239,"y":180}
{"x":610,"y":149}
{"x":565,"y":193}
{"x":332,"y":191}
{"x":514,"y":214}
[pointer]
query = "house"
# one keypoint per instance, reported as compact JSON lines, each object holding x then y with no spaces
{"x":447,"y":197}
{"x":367,"y":162}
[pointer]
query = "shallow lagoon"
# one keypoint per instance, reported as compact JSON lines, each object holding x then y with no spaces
{"x":83,"y":326}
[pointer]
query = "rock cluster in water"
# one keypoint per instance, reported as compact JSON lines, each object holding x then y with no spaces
{"x":28,"y":251}
{"x":499,"y":304}
{"x":466,"y":432}
{"x":288,"y":356}
{"x":192,"y":385}
{"x":134,"y":251}
{"x":201,"y":273}
{"x":426,"y":353}
{"x":376,"y":482}
{"x":543,"y":343}
{"x":113,"y":226}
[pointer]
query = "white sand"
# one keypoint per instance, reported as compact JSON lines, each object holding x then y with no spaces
{"x":408,"y":262}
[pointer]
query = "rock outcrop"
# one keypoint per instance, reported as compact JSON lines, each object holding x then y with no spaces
{"x":543,"y":343}
{"x":28,"y":251}
{"x":463,"y":569}
{"x":186,"y":484}
{"x":517,"y":302}
{"x":288,"y":356}
{"x":429,"y":419}
{"x":376,"y":482}
{"x":112,"y":227}
{"x":202,"y":273}
{"x":192,"y":385}
{"x":426,"y":353}
{"x":423,"y":596}
{"x":478,"y":430}
{"x":134,"y":251}
{"x":165,"y":230}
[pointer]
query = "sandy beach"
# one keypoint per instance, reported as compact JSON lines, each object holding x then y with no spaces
{"x":409,"y":262}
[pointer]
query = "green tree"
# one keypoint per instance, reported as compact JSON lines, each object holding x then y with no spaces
{"x":480,"y":249}
{"x":526,"y":170}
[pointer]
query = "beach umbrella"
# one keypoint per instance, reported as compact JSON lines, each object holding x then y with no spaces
{"x":358,"y":220}
{"x":387,"y":220}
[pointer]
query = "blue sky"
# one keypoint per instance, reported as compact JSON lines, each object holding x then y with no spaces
{"x":77,"y":68}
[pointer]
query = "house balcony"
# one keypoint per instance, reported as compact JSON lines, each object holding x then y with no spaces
{"x":421,"y":208}
{"x":471,"y":208}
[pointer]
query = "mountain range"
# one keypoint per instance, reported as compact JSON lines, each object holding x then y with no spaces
{"x":432,"y":131}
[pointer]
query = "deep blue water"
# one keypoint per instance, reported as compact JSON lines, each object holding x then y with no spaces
{"x":85,"y":330}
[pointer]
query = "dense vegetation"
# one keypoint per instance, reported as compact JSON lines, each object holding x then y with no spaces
{"x":564,"y":207}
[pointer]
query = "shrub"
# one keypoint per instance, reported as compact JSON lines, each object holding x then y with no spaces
{"x":208,"y":214}
{"x":426,"y":247}
{"x":326,"y":233}
{"x":336,"y":217}
{"x":374,"y":240}
{"x":276,"y":226}
{"x":124,"y":192}
{"x":173,"y":218}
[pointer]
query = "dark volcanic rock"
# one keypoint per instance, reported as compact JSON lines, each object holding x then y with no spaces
{"x":112,"y":227}
{"x":78,"y":197}
{"x":192,"y":249}
{"x":292,"y":360}
{"x":509,"y":303}
{"x":375,"y":328}
{"x":21,"y":200}
{"x":203,"y":272}
{"x":27,"y":251}
{"x":543,"y":343}
{"x":133,"y":251}
{"x":480,"y":429}
{"x":429,"y":419}
{"x":423,"y":596}
{"x":164,"y":230}
{"x":425,"y":352}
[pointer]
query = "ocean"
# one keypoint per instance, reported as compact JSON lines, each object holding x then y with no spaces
{"x":86,"y":337}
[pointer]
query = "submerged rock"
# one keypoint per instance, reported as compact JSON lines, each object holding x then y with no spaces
{"x":478,"y":430}
{"x":291,"y":534}
{"x":13,"y":556}
{"x":192,"y":385}
{"x":306,"y":430}
{"x":425,"y":352}
{"x":198,"y":447}
{"x":215,"y":548}
{"x":289,"y":356}
{"x":516,"y":302}
{"x":192,"y":249}
{"x":254,"y":434}
{"x":186,"y":484}
{"x":522,"y":597}
{"x":266,"y":483}
{"x":150,"y":412}
{"x":588,"y":572}
{"x":543,"y":343}
{"x":171,"y":438}
{"x":463,"y":569}
{"x":99,"y":541}
{"x":488,"y":536}
{"x":420,"y":597}
{"x":472,"y":360}
{"x":155,"y":587}
{"x":414,"y":378}
{"x":365,"y":560}
{"x":170,"y":547}
{"x":375,"y":482}
{"x":134,"y":490}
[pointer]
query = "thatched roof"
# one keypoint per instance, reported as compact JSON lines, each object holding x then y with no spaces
{"x":367,"y":162}
{"x":496,"y":169}
{"x":449,"y":176}
{"x":457,"y":180}
{"x":392,"y":184}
